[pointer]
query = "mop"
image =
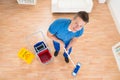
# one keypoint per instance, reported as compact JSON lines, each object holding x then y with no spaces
{"x":77,"y":66}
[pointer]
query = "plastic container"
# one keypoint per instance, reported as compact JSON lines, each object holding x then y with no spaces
{"x":37,"y":44}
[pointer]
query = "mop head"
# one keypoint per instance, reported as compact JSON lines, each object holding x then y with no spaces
{"x":76,"y":69}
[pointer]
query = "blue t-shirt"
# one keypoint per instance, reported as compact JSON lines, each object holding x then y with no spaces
{"x":59,"y":28}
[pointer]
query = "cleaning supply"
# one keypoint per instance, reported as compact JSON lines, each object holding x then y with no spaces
{"x":38,"y":44}
{"x":77,"y":66}
{"x":42,"y":52}
{"x":26,"y":55}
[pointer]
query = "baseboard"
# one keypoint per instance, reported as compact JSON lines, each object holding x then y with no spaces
{"x":114,"y":17}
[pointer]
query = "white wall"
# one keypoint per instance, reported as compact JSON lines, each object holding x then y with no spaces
{"x":114,"y":6}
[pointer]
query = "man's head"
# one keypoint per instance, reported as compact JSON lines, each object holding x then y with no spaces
{"x":79,"y":20}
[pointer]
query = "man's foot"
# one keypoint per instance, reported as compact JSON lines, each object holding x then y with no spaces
{"x":66,"y":60}
{"x":56,"y":53}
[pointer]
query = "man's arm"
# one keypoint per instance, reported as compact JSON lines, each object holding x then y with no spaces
{"x":72,"y":42}
{"x":53,"y":37}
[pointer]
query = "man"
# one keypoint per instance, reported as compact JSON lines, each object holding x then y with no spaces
{"x":65,"y":32}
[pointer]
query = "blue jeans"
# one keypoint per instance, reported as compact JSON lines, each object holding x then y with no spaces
{"x":57,"y":48}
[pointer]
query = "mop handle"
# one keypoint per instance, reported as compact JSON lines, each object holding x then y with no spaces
{"x":70,"y":58}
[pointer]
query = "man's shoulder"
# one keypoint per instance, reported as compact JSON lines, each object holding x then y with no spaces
{"x":79,"y":33}
{"x":62,"y":20}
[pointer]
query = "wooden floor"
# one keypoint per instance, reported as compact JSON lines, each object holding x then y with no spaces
{"x":93,"y":50}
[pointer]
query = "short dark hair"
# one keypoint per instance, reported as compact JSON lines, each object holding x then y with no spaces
{"x":83,"y":15}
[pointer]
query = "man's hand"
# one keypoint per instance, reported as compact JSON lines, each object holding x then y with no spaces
{"x":74,"y":40}
{"x":67,"y":49}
